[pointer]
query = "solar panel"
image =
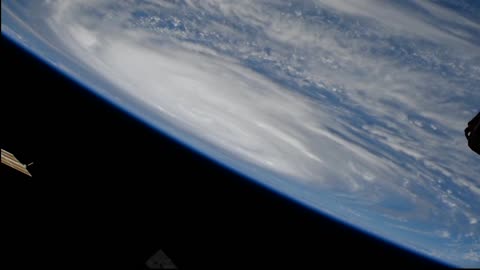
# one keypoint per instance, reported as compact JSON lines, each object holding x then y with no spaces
{"x":11,"y":161}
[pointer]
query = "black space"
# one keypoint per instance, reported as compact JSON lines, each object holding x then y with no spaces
{"x":108,"y":192}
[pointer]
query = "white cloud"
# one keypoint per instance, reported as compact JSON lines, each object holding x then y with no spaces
{"x":355,"y":106}
{"x":397,"y":17}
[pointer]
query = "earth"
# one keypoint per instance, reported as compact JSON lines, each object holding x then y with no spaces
{"x":355,"y":109}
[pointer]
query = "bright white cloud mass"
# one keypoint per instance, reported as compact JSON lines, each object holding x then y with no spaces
{"x":364,"y":100}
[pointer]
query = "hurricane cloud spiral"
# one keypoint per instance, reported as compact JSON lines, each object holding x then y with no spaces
{"x":354,"y":108}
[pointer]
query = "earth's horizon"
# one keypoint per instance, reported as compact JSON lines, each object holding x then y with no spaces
{"x":355,"y":109}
